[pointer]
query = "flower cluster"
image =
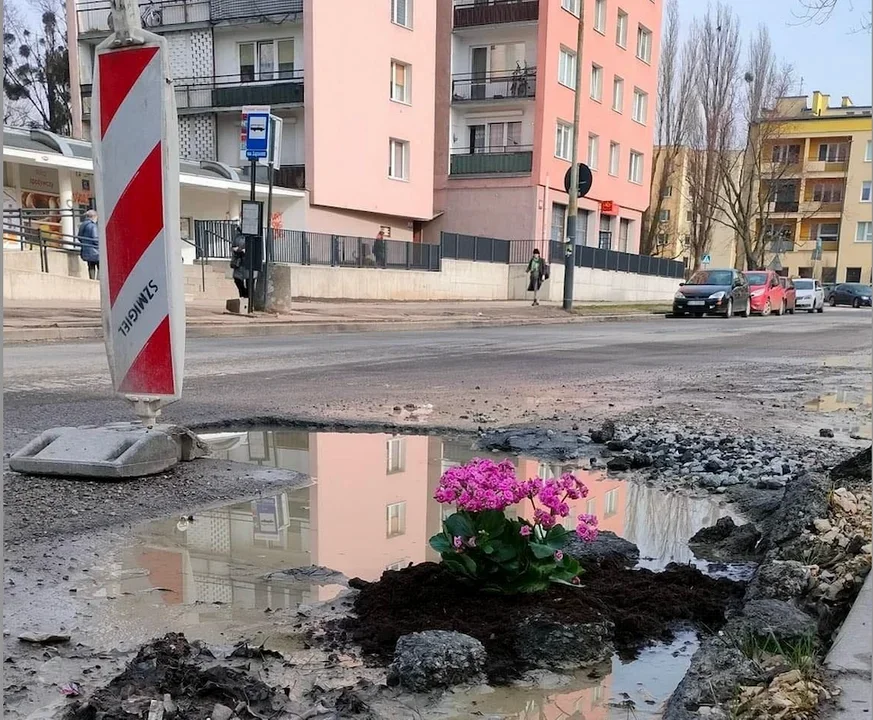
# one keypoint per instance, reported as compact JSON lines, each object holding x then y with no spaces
{"x":586,"y":527}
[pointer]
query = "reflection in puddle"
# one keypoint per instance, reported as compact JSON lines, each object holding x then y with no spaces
{"x":847,"y":402}
{"x":369,"y":509}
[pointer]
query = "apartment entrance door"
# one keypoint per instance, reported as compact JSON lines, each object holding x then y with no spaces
{"x":479,"y":74}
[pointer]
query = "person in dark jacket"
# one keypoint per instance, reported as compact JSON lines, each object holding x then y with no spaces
{"x":238,"y":262}
{"x":536,"y":269}
{"x":380,"y":249}
{"x":90,"y":243}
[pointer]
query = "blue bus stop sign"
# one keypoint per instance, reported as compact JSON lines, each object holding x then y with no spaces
{"x":257,"y":136}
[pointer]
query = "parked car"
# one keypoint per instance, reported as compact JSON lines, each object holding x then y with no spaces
{"x":766,"y":292}
{"x":854,"y":294}
{"x":810,"y":295}
{"x":789,"y":293}
{"x":714,"y":292}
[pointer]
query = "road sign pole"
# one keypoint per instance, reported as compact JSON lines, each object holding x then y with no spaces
{"x":573,"y":204}
{"x":136,"y":165}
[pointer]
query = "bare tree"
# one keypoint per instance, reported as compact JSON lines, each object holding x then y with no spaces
{"x":675,"y":85}
{"x":820,"y":11}
{"x":716,"y":37}
{"x":36,"y":72}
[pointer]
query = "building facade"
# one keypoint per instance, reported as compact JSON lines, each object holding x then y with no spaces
{"x":357,"y":137}
{"x":504,"y":117}
{"x":818,"y":183}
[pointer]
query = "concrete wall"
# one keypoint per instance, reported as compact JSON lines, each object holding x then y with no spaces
{"x":591,"y":285}
{"x":23,"y":285}
{"x":60,"y":262}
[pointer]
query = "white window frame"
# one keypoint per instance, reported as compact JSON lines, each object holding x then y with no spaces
{"x":563,"y":140}
{"x":571,"y":6}
{"x":634,"y":157}
{"x":395,"y":5}
{"x":641,"y":106}
{"x":614,"y":158}
{"x":395,"y":519}
{"x":275,"y":73}
{"x":610,"y":503}
{"x":664,"y":215}
{"x":866,"y":191}
{"x":596,"y":83}
{"x":621,"y":25}
{"x":567,"y":68}
{"x":395,"y":455}
{"x":406,"y":97}
{"x":868,"y":151}
{"x":644,"y":44}
{"x":618,"y":93}
{"x":867,"y":235}
{"x":600,"y":16}
{"x":593,"y":151}
{"x":404,"y":171}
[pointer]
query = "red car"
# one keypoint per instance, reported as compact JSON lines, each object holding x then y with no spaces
{"x":790,"y":294}
{"x":767,"y":293}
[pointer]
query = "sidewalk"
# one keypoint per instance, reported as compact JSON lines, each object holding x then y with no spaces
{"x":45,"y":322}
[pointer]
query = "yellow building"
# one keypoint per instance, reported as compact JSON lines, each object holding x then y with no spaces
{"x":817,"y":183}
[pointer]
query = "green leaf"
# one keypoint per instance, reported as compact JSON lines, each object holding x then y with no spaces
{"x":454,"y":563}
{"x":469,"y":564}
{"x":492,"y":522}
{"x":441,"y":543}
{"x":556,"y":538}
{"x":541,"y":551}
{"x":459,"y":525}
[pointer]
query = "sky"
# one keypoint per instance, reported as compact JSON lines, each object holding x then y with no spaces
{"x":831,"y":57}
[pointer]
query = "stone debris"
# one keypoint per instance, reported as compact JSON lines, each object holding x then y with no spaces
{"x":551,"y":645}
{"x":607,"y":547}
{"x":789,"y":696}
{"x":436,"y":659}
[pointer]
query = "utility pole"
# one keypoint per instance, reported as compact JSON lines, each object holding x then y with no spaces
{"x":573,"y":204}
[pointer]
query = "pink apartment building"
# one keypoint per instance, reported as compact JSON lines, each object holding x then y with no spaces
{"x":504,"y":117}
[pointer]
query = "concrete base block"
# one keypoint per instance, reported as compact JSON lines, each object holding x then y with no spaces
{"x":238,"y":306}
{"x":112,"y":452}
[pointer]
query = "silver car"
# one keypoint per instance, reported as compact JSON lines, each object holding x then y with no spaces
{"x":810,"y":295}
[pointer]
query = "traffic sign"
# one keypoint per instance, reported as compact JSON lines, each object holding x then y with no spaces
{"x":586,"y":180}
{"x":707,"y":259}
{"x":257,"y":135}
{"x":136,"y":160}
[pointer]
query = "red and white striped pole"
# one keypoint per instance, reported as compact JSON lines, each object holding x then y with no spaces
{"x":136,"y":162}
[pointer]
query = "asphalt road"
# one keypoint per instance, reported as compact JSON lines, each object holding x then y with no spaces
{"x":470,"y":376}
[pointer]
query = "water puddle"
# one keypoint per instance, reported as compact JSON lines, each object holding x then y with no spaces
{"x":854,"y":408}
{"x":369,"y":508}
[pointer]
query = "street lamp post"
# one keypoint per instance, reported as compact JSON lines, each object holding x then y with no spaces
{"x":573,"y":203}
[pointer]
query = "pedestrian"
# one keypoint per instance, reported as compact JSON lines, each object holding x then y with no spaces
{"x":90,"y":243}
{"x":538,"y":272}
{"x":238,"y":262}
{"x":379,"y":248}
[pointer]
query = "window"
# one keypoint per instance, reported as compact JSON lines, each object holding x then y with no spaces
{"x":667,"y":191}
{"x":396,"y":453}
{"x":806,"y":272}
{"x":611,"y":501}
{"x":623,"y":235}
{"x":401,"y":13}
{"x":614,"y":158}
{"x":593,"y":150}
{"x":567,"y":68}
{"x":591,"y":506}
{"x":396,"y":516}
{"x":571,"y":6}
{"x":641,"y":106}
{"x":864,"y":233}
{"x":853,"y":274}
{"x":663,"y":239}
{"x":502,"y":136}
{"x":833,"y":152}
{"x":828,"y":275}
{"x":600,"y":16}
{"x":617,"y":94}
{"x":827,"y":192}
{"x":398,"y":160}
{"x":635,"y":167}
{"x":786,"y":153}
{"x":559,"y":222}
{"x":597,"y":82}
{"x":604,"y":238}
{"x":266,"y":60}
{"x":644,"y":44}
{"x":868,"y":151}
{"x":621,"y":29}
{"x":664,"y":216}
{"x":400,"y":82}
{"x":827,"y":232}
{"x":689,"y":215}
{"x":563,"y":140}
{"x":866,"y":190}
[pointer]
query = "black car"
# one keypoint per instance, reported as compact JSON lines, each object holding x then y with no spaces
{"x":854,"y":294}
{"x":714,"y":292}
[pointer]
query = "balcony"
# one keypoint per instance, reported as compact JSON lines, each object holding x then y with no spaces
{"x":827,"y":166}
{"x":816,"y":207}
{"x":255,"y":10}
{"x":809,"y":242}
{"x":509,"y":160}
{"x":783,"y":206}
{"x":94,"y":17}
{"x":473,"y":13}
{"x":278,"y":88}
{"x":521,"y":83}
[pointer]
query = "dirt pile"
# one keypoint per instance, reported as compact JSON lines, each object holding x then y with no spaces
{"x":172,"y":672}
{"x":642,"y":605}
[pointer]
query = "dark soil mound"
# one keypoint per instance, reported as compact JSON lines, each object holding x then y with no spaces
{"x":169,"y":666}
{"x":643,"y":605}
{"x":855,"y":471}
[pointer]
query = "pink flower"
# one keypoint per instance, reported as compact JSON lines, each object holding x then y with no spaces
{"x":559,"y":555}
{"x":458,"y":542}
{"x":576,"y":580}
{"x":525,"y":530}
{"x":586,"y":527}
{"x":471,"y":542}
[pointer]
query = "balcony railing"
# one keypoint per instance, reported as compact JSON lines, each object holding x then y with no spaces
{"x":95,"y":16}
{"x":227,"y":10}
{"x":510,"y":159}
{"x":827,"y":165}
{"x":281,"y":87}
{"x":784,"y":206}
{"x":809,"y":242}
{"x":492,"y":12}
{"x":521,"y":83}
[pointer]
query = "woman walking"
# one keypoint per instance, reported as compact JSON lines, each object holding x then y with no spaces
{"x":536,"y":269}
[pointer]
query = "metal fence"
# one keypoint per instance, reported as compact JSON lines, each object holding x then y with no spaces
{"x":619,"y":261}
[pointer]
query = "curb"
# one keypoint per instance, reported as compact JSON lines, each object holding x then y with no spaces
{"x":20,"y":336}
